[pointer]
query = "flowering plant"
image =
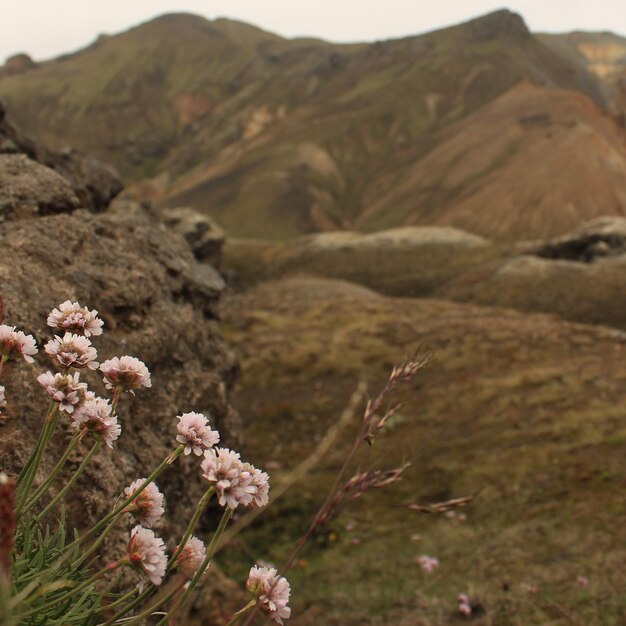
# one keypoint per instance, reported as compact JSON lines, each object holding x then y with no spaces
{"x":44,"y":579}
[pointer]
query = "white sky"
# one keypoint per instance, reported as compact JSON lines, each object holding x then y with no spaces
{"x":46,"y":28}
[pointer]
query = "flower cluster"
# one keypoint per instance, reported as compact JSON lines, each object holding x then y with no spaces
{"x":191,"y":557}
{"x":194,"y":431}
{"x":66,"y":389}
{"x":126,"y":373}
{"x":237,"y":483}
{"x":147,"y":553}
{"x":272,"y":591}
{"x":71,"y":317}
{"x":428,"y":563}
{"x":14,"y":343}
{"x":464,"y":608}
{"x":95,"y":415}
{"x":72,"y":351}
{"x":147,"y":507}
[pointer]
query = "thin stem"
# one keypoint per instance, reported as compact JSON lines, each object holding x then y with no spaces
{"x":55,"y":472}
{"x":156,"y":605}
{"x":202,"y":504}
{"x":207,"y":561}
{"x":138,"y":600}
{"x":240,"y":613}
{"x":167,"y":461}
{"x":126,"y":596}
{"x":71,"y":481}
{"x":51,"y":422}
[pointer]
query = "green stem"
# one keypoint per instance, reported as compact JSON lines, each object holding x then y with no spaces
{"x":155,"y":606}
{"x":126,"y":596}
{"x":202,"y":504}
{"x":71,"y":481}
{"x":240,"y":612}
{"x":207,"y":561}
{"x":51,"y":422}
{"x":167,"y":461}
{"x":55,"y":472}
{"x":138,"y":600}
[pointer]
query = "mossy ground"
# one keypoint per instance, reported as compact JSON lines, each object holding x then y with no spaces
{"x":525,"y":411}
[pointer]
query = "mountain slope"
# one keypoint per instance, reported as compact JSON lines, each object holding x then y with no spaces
{"x":275,"y":137}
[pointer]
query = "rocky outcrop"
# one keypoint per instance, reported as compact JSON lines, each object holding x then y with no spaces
{"x":17,"y":64}
{"x":28,"y":189}
{"x":604,"y":237}
{"x":158,"y":304}
{"x":93,"y":184}
{"x":203,"y":235}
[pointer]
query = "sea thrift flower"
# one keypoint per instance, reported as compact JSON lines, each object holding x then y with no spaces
{"x":66,"y":389}
{"x":15,"y":342}
{"x":462,"y":598}
{"x":72,"y":317}
{"x":233,"y":483}
{"x":272,"y":590}
{"x":147,"y":507}
{"x":126,"y":373}
{"x":428,"y":563}
{"x":191,"y":557}
{"x":583,"y":581}
{"x":261,"y":481}
{"x":72,"y":351}
{"x":147,"y":553}
{"x":194,"y":431}
{"x":95,"y":416}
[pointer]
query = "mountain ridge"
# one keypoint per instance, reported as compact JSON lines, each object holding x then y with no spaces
{"x":277,"y":137}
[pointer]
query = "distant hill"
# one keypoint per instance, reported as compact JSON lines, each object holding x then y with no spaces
{"x":482,"y":126}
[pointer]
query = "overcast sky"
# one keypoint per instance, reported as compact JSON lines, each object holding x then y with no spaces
{"x":46,"y":28}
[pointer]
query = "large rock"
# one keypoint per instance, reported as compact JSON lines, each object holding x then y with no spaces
{"x":28,"y":189}
{"x":158,"y":304}
{"x":93,"y":183}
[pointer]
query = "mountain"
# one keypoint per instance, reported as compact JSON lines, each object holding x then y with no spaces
{"x":482,"y":126}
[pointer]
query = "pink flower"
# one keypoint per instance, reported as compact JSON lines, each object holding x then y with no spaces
{"x":94,"y":415}
{"x":126,"y":372}
{"x":261,"y":481}
{"x":194,"y":431}
{"x":147,"y":553}
{"x":147,"y":507}
{"x":233,"y":483}
{"x":583,"y":581}
{"x":465,"y":609}
{"x":191,"y":557}
{"x":72,"y":351}
{"x":66,"y":389}
{"x":70,"y":316}
{"x":462,"y":598}
{"x":428,"y":563}
{"x":15,"y":342}
{"x":272,"y":590}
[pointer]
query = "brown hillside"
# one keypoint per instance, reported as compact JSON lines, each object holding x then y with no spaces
{"x":535,"y":161}
{"x":275,"y":137}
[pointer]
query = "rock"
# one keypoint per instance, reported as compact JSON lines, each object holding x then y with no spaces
{"x":93,"y":183}
{"x":603,"y":237}
{"x":203,"y":235}
{"x":28,"y":189}
{"x":158,"y":304}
